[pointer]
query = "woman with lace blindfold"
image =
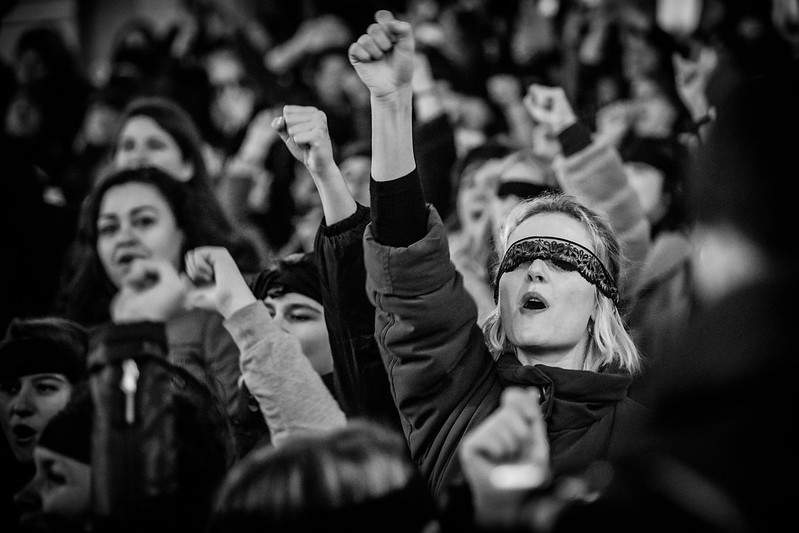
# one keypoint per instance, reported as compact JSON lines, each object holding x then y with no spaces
{"x":556,"y":290}
{"x":555,"y":325}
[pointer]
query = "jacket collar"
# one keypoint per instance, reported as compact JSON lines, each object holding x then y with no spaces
{"x":571,"y":398}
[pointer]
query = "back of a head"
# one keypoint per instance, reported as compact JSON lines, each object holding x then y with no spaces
{"x":358,"y":478}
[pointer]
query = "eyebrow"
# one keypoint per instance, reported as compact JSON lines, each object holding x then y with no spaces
{"x":135,"y":211}
{"x":37,"y":377}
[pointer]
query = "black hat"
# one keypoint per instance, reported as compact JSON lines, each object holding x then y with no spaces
{"x":39,"y":346}
{"x":294,"y":273}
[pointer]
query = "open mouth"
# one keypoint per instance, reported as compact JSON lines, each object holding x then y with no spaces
{"x":23,"y":434}
{"x":126,"y":258}
{"x":534,"y":302}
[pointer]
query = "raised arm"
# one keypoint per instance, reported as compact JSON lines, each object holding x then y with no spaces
{"x":292,"y":397}
{"x":593,"y":172}
{"x":304,"y":130}
{"x":425,"y":324}
{"x":361,"y":383}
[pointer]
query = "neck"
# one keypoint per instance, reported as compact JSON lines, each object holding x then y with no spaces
{"x":570,"y":358}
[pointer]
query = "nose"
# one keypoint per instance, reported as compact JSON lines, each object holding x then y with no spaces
{"x":538,"y":271}
{"x":22,"y":404}
{"x":281,"y":322}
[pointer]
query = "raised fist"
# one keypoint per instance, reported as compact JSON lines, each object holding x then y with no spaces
{"x":220,"y":285}
{"x":549,"y":106}
{"x":383,"y":57}
{"x":304,"y":130}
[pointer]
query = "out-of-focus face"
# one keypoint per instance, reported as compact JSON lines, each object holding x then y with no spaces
{"x":520,"y":171}
{"x":142,"y":142}
{"x":234,"y":102}
{"x":475,"y":191}
{"x":545,"y":309}
{"x":329,"y":76}
{"x":61,"y":486}
{"x":654,"y":116}
{"x":304,"y":318}
{"x":99,"y":123}
{"x":647,"y":181}
{"x":27,"y":403}
{"x":357,"y":171}
{"x":136,"y":222}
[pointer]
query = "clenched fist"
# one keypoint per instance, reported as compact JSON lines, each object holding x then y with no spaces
{"x":383,"y":57}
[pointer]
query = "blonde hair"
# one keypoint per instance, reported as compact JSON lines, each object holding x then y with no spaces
{"x":609,"y":342}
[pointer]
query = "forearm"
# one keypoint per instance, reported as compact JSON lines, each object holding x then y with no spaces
{"x":337,"y":201}
{"x":291,"y":395}
{"x":519,"y":124}
{"x":392,"y":135}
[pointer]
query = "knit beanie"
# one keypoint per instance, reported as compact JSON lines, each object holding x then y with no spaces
{"x":295,"y":273}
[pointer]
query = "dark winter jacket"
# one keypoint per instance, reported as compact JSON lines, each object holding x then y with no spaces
{"x":362,"y":388}
{"x":445,"y":382}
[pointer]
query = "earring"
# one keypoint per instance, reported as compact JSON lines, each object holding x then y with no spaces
{"x":590,"y":327}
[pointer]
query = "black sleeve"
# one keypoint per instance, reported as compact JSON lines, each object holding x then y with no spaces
{"x":434,"y":146}
{"x":574,"y":138}
{"x":361,"y":383}
{"x":399,"y":214}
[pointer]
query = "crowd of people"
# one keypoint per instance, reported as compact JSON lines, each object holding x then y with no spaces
{"x":413,"y":265}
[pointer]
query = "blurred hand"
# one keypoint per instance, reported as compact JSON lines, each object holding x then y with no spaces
{"x":613,"y":121}
{"x":507,"y":455}
{"x":504,"y":89}
{"x":304,"y":130}
{"x":550,"y":107}
{"x":692,"y":77}
{"x":151,"y":291}
{"x":383,"y":57}
{"x":259,"y":138}
{"x":220,"y":285}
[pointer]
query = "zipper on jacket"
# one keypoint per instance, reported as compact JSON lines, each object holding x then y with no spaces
{"x":129,"y":384}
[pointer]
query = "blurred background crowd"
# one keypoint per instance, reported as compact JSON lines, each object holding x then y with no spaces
{"x":89,"y":89}
{"x":636,"y":72}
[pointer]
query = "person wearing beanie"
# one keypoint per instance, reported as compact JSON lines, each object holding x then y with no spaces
{"x":59,"y":494}
{"x":292,"y":293}
{"x":41,"y":361}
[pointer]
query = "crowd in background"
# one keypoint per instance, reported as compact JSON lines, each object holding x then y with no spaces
{"x":227,"y":301}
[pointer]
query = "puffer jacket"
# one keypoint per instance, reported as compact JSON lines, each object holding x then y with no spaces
{"x":445,"y":382}
{"x":198,"y":343}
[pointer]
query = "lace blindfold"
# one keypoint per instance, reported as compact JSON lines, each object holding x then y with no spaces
{"x":566,"y":255}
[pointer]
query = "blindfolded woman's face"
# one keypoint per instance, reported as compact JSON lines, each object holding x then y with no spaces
{"x":544,"y":307}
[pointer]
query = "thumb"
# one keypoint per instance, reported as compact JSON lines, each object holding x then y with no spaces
{"x":279,"y":125}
